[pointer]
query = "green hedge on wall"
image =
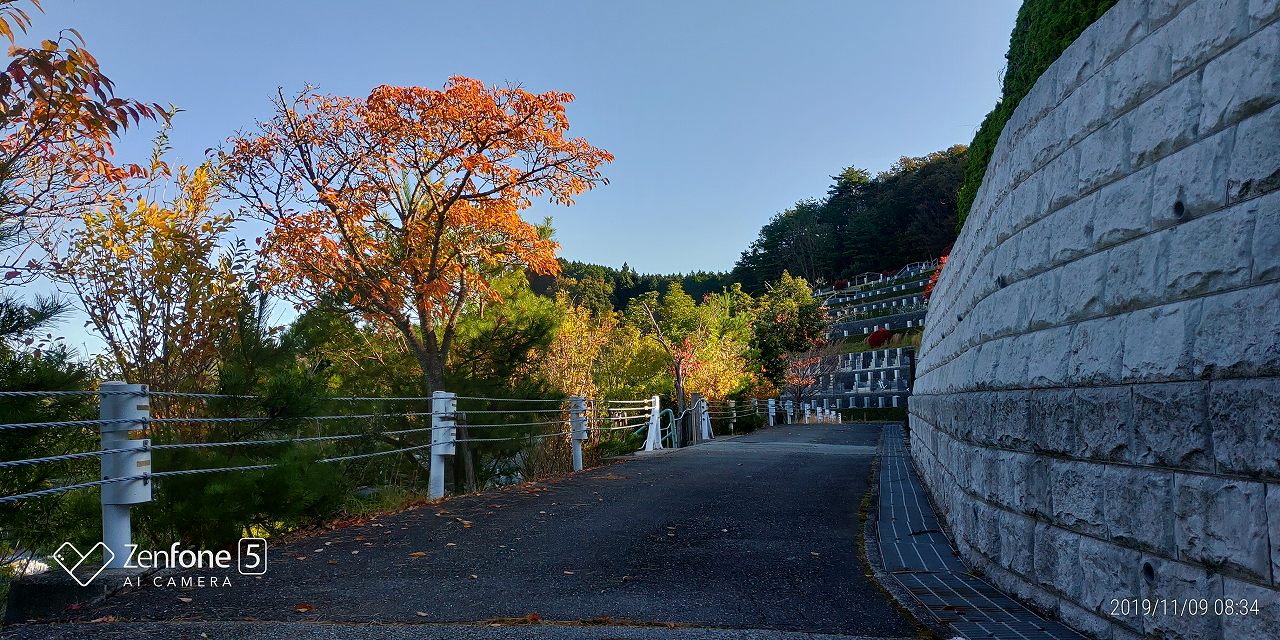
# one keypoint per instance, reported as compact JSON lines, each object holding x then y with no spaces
{"x":1043,"y":30}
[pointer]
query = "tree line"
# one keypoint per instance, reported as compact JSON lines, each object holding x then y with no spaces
{"x":864,"y":223}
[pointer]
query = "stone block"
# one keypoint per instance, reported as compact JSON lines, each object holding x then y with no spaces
{"x":1071,"y":230}
{"x":1097,"y":348}
{"x":1265,"y":625}
{"x":1161,"y":11}
{"x":1123,"y":26}
{"x":1104,"y":416}
{"x":1209,"y":254}
{"x":1273,"y":522}
{"x":1171,"y":425}
{"x":1134,"y":274}
{"x":978,"y":417}
{"x":1139,"y":508}
{"x":1244,"y":418}
{"x":1101,"y":158}
{"x":1042,"y":305}
{"x":1123,"y":209}
{"x":1027,"y":478}
{"x":1080,"y":287}
{"x":1061,"y":180}
{"x":1262,"y":12}
{"x":1010,"y":419}
{"x":1050,"y":351}
{"x":1077,"y":64}
{"x":1166,"y":582}
{"x":1222,"y":523}
{"x":1255,"y":165}
{"x":1091,"y":623}
{"x":1242,"y":81}
{"x":1033,"y":249}
{"x":1164,"y":123}
{"x":1266,"y":237}
{"x":1084,"y":111}
{"x":981,"y":363}
{"x":1045,"y":139}
{"x":1052,"y":426}
{"x":1191,"y":182}
{"x":1205,"y":29}
{"x":1017,"y":542}
{"x":1057,"y":559}
{"x":1078,"y":496}
{"x":1011,"y":367}
{"x":1026,"y":204}
{"x":1236,"y":334}
{"x":1158,"y":342}
{"x":1109,"y":571}
{"x":1139,"y":72}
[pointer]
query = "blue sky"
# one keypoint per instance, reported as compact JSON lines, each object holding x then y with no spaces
{"x":720,"y":113}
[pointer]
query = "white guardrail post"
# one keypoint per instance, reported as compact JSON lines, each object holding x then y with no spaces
{"x":124,"y":405}
{"x":772,"y":411}
{"x":733,"y":415}
{"x":578,"y":428}
{"x":707,"y":433}
{"x":653,"y":440}
{"x":444,"y":435}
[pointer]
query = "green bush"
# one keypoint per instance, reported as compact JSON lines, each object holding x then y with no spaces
{"x":1044,"y":29}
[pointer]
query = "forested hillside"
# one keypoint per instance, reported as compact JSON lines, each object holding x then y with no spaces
{"x":599,"y":287}
{"x":865,"y":223}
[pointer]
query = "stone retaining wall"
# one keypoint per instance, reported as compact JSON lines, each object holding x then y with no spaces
{"x":1097,"y":408}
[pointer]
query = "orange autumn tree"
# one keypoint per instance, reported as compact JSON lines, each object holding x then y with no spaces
{"x":403,"y":205}
{"x":59,"y":117}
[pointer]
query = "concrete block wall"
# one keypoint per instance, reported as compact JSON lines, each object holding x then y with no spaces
{"x":1097,"y":407}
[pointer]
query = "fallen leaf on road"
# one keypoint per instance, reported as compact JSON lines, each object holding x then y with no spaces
{"x":299,"y":557}
{"x":304,"y":607}
{"x":450,"y":544}
{"x":104,"y":619}
{"x":184,"y":600}
{"x":333,"y":562}
{"x":359,"y":538}
{"x":418,"y":554}
{"x":813,"y":553}
{"x":568,"y":573}
{"x":533,"y":616}
{"x":355,"y":553}
{"x":421,"y":614}
{"x":474,"y":576}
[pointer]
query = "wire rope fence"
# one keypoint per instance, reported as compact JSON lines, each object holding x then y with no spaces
{"x":147,"y":442}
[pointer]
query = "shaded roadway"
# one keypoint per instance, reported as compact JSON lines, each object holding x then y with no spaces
{"x":756,"y":532}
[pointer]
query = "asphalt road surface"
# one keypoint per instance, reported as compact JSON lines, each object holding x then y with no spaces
{"x":747,"y":537}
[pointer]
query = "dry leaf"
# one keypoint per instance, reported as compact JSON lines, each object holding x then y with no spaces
{"x":184,"y":600}
{"x":421,"y":614}
{"x":304,"y":607}
{"x":418,"y":554}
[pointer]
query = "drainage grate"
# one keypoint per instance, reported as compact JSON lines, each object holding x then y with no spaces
{"x":920,"y":557}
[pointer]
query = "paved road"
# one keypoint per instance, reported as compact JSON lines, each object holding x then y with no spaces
{"x":746,"y":537}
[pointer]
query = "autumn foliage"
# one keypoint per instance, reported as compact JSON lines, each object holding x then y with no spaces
{"x":59,"y":116}
{"x":879,"y":337}
{"x":933,"y":279}
{"x":404,"y":205}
